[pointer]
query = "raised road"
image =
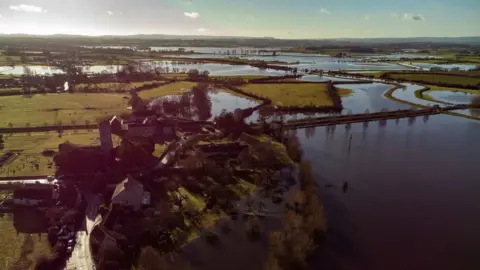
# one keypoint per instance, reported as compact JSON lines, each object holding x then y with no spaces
{"x":366,"y":117}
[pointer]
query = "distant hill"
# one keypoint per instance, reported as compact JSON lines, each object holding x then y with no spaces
{"x":238,"y":41}
{"x":451,"y":40}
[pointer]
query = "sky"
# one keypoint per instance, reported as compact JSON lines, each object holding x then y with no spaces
{"x":297,"y":19}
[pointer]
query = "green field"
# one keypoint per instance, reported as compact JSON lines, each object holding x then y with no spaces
{"x":33,"y":145}
{"x":20,"y":251}
{"x":36,"y":110}
{"x":437,"y":78}
{"x":114,"y":86}
{"x":11,"y":89}
{"x":286,"y":94}
{"x":169,"y":89}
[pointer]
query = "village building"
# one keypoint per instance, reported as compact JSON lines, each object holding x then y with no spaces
{"x":34,"y":195}
{"x":131,"y":192}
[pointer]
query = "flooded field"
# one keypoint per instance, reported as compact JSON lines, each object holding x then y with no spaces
{"x":451,"y":96}
{"x":446,"y":66}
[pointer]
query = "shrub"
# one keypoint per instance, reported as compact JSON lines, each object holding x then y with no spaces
{"x":212,"y":238}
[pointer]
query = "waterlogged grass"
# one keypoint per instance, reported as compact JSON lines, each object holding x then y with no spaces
{"x":20,"y":251}
{"x":452,"y":89}
{"x":36,"y":110}
{"x":426,"y":94}
{"x":437,"y":78}
{"x":285,"y":94}
{"x":169,"y":89}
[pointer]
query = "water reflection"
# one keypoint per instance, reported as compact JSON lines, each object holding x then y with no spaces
{"x":405,"y":174}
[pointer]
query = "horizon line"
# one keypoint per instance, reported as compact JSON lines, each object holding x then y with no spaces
{"x":225,"y":36}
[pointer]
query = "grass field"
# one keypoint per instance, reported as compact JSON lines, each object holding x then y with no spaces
{"x":169,"y":89}
{"x":245,"y":77}
{"x":33,"y":145}
{"x":285,"y":94}
{"x":54,"y":108}
{"x":19,"y":251}
{"x":437,"y":78}
{"x":12,"y":89}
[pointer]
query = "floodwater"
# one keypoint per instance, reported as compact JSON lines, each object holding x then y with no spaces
{"x":218,"y":69}
{"x":412,"y":199}
{"x":47,"y":70}
{"x":223,"y":100}
{"x":308,"y":61}
{"x":400,"y":55}
{"x":451,"y":97}
{"x":446,"y":66}
{"x":408,"y":94}
{"x":368,"y":97}
{"x":212,"y":50}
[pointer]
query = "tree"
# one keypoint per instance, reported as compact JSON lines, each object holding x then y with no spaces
{"x":10,"y":62}
{"x":23,"y":59}
{"x":476,"y":101}
{"x":202,"y":102}
{"x":110,"y":255}
{"x":193,"y":74}
{"x":151,"y":259}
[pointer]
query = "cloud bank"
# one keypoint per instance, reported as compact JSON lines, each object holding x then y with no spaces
{"x":325,"y":11}
{"x":27,"y":8}
{"x":192,"y":15}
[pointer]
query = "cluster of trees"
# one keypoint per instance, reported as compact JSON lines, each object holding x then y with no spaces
{"x":196,"y":75}
{"x":58,"y":218}
{"x":304,"y":228}
{"x":195,"y":104}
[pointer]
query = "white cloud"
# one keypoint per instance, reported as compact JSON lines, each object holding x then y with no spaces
{"x":324,"y":11}
{"x":109,"y":13}
{"x":27,"y":8}
{"x":202,"y":30}
{"x":366,"y":17}
{"x":415,"y":17}
{"x":192,"y":15}
{"x":395,"y":15}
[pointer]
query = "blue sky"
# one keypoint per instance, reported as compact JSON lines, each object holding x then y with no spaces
{"x":273,"y":18}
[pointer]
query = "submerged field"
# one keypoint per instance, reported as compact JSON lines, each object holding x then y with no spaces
{"x":285,"y":94}
{"x":437,"y":78}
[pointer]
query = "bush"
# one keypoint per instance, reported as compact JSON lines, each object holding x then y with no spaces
{"x":225,"y":225}
{"x":151,"y":259}
{"x":253,"y":230}
{"x":212,"y":238}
